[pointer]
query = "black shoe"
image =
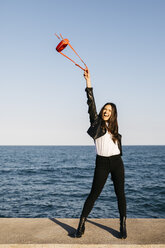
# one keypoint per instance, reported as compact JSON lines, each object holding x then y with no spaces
{"x":123,"y":231}
{"x":81,"y":228}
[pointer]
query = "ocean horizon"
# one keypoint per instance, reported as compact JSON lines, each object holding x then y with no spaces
{"x":41,"y":181}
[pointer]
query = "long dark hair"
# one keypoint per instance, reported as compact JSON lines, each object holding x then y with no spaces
{"x":112,"y":126}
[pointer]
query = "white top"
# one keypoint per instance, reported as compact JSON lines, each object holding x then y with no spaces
{"x":105,"y":146}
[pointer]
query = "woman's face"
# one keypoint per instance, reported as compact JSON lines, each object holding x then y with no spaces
{"x":107,"y":111}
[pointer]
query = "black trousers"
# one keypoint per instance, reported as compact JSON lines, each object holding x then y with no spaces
{"x":104,"y":166}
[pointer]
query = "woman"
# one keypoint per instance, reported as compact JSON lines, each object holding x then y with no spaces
{"x":104,"y":131}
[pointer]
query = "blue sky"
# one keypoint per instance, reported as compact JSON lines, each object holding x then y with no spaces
{"x":42,"y":94}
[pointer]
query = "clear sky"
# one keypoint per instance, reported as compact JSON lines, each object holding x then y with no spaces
{"x":42,"y":94}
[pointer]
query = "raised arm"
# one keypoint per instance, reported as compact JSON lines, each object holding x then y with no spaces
{"x":88,"y":78}
{"x":91,"y":101}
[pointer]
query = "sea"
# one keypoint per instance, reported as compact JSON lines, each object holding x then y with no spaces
{"x":54,"y":182}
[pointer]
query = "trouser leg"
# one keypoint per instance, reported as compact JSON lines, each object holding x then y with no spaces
{"x":118,"y":181}
{"x":100,"y":177}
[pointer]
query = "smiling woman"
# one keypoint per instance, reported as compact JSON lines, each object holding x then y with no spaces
{"x":106,"y":112}
{"x":104,"y":131}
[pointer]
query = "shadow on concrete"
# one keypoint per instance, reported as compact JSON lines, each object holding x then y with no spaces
{"x":66,"y":227}
{"x":114,"y":233}
{"x":71,"y":230}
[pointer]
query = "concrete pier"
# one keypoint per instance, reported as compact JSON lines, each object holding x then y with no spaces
{"x":99,"y":233}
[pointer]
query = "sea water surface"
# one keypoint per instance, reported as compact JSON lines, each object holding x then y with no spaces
{"x":54,"y":181}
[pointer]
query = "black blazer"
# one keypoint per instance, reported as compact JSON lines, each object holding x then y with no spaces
{"x":95,"y":130}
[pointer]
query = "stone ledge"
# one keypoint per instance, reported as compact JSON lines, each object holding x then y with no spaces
{"x":79,"y":246}
{"x":99,"y":233}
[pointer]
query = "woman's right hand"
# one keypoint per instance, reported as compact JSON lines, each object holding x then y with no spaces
{"x":87,"y":77}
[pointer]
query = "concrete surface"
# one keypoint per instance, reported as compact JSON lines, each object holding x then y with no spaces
{"x":99,"y":233}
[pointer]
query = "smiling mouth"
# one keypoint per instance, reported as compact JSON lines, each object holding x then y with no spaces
{"x":106,"y":115}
